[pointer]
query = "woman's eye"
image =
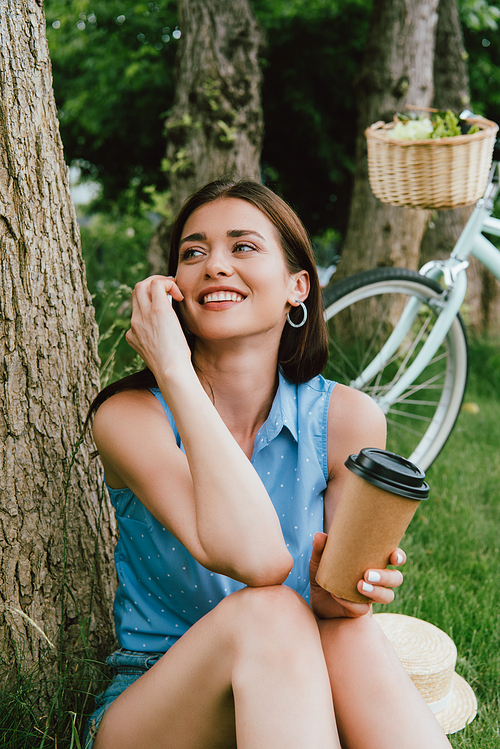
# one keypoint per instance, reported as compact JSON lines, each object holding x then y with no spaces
{"x":244,"y":247}
{"x":190,"y":253}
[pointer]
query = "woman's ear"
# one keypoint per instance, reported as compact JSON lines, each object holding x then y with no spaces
{"x":300,"y":286}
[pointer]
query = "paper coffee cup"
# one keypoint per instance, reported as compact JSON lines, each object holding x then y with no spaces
{"x":379,"y":498}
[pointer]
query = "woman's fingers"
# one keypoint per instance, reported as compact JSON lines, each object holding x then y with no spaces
{"x":351,"y":609}
{"x":150,"y":298}
{"x":397,"y":558}
{"x":378,"y":584}
{"x":155,"y":331}
{"x":385,"y":578}
{"x":157,"y":285}
{"x":375,"y":593}
{"x":165,"y":284}
{"x":324,"y":604}
{"x":319,"y":542}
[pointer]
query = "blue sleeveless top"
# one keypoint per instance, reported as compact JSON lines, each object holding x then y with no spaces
{"x":162,"y":589}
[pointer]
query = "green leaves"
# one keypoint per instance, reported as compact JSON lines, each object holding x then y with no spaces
{"x":479,"y":14}
{"x":446,"y":125}
{"x":113,"y":67}
{"x":113,"y":63}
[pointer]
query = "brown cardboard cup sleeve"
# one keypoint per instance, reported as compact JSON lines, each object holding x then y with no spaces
{"x":379,"y":498}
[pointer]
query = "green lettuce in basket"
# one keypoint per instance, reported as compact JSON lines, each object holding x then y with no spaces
{"x":422,"y":127}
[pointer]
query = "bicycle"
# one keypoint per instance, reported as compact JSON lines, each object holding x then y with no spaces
{"x":398,"y":335}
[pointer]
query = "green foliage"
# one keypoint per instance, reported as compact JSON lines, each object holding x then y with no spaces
{"x":445,"y":125}
{"x":314,"y":53}
{"x":30,"y":720}
{"x":113,"y":64}
{"x":479,"y":15}
{"x":272,"y":13}
{"x":416,"y":126}
{"x":326,"y":248}
{"x":481,"y":25}
{"x":114,"y":248}
{"x":113,"y":85}
{"x":484,"y":53}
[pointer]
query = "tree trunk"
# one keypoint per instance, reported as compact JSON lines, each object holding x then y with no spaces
{"x":397,"y":69}
{"x":52,"y":515}
{"x":451,"y":91}
{"x":215,"y":127}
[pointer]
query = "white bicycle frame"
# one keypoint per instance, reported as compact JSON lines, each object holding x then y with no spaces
{"x":453,"y":272}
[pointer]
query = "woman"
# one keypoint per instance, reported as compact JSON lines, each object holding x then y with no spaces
{"x":225,"y":461}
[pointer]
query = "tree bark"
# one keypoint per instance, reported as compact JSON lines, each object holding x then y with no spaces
{"x":56,"y":531}
{"x":397,"y":69}
{"x":451,"y":91}
{"x":215,"y":127}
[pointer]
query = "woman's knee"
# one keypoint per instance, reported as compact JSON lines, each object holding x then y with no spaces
{"x":274,"y":635}
{"x":274,"y":616}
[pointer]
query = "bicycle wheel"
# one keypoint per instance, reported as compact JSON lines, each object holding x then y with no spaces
{"x":361,"y":313}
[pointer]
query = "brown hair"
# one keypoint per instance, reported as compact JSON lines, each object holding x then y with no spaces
{"x":303,"y":351}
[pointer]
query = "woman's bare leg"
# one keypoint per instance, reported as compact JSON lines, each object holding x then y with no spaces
{"x":376,"y":704}
{"x":250,"y":674}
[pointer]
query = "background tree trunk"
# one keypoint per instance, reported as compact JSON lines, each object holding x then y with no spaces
{"x":397,"y":69}
{"x":52,"y":517}
{"x":215,"y":127}
{"x":451,"y":91}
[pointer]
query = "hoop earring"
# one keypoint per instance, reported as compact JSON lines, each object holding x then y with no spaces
{"x":300,"y":324}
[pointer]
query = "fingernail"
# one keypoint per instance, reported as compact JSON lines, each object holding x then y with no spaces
{"x":373,"y":577}
{"x":367,"y":587}
{"x":400,"y":559}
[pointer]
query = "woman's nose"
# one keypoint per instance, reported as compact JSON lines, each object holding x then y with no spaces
{"x":218,"y":264}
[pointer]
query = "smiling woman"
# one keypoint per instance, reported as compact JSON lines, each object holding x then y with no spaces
{"x":222,"y":267}
{"x":224,"y":461}
{"x":302,"y":354}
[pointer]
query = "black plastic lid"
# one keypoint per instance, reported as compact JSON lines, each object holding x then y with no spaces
{"x":390,"y":472}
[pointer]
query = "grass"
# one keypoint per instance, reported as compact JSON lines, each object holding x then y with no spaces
{"x":452,"y":576}
{"x":452,"y":579}
{"x":42,"y":712}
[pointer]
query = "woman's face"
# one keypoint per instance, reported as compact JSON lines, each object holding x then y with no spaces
{"x":232,"y":273}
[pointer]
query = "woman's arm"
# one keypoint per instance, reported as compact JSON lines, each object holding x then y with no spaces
{"x":211,"y":499}
{"x":354,"y":422}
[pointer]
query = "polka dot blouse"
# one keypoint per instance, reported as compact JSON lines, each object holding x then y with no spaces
{"x":162,"y":589}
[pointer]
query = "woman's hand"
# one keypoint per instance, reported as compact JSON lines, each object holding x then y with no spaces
{"x":376,"y":585}
{"x":155,"y":331}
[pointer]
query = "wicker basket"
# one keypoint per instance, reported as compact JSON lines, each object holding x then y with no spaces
{"x":434,"y":173}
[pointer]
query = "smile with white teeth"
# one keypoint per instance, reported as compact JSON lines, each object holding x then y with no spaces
{"x":222,"y":296}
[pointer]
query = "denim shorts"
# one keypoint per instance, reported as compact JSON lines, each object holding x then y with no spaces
{"x":128,"y":665}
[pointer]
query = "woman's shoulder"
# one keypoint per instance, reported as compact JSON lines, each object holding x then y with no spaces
{"x":354,"y":409}
{"x":126,"y":410}
{"x":126,"y":402}
{"x":348,"y":411}
{"x":354,"y":421}
{"x":126,"y":428}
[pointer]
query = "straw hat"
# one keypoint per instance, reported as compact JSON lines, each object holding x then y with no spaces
{"x":429,"y":657}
